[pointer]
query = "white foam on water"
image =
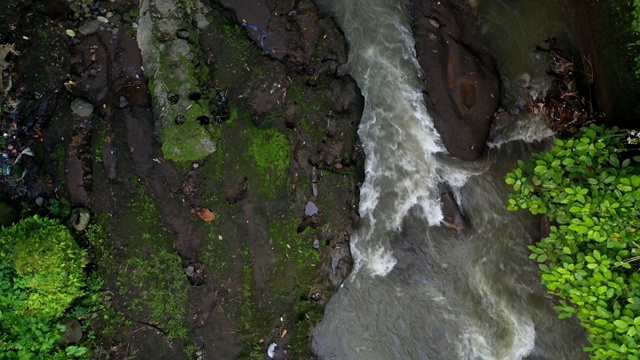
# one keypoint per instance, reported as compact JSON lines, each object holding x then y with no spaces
{"x":399,"y":141}
{"x":380,"y":261}
{"x":478,"y":344}
{"x":528,"y":128}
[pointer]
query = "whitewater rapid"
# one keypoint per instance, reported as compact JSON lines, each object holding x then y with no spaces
{"x":417,"y":291}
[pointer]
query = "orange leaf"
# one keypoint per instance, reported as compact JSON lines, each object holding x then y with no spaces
{"x":206,"y":214}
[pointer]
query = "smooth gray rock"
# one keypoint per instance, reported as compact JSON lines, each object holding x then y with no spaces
{"x":311,"y":209}
{"x":81,"y":107}
{"x":88,"y":27}
{"x":123,"y":102}
{"x":72,"y":333}
{"x":183,"y":34}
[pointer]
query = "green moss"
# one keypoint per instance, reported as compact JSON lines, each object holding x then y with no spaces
{"x":270,"y":152}
{"x":179,"y":75}
{"x":239,"y":62}
{"x":306,"y":315}
{"x":99,"y":137}
{"x":157,"y":289}
{"x":101,"y":247}
{"x":187,"y":142}
{"x":215,"y":255}
{"x":48,"y":262}
{"x":297,"y":247}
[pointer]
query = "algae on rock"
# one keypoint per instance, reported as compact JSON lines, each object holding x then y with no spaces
{"x":173,"y":63}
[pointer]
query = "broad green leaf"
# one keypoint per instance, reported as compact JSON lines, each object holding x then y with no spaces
{"x":596,"y":254}
{"x":620,"y":324}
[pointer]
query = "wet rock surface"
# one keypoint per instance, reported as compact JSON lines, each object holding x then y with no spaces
{"x":452,"y":58}
{"x":175,"y":66}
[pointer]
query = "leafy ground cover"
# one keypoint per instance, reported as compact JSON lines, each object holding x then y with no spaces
{"x":41,"y":274}
{"x":589,"y":188}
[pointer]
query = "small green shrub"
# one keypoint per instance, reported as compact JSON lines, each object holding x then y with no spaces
{"x":591,"y":194}
{"x":40,"y":275}
{"x":48,"y":264}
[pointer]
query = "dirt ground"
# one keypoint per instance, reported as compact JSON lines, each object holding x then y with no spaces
{"x":178,"y":286}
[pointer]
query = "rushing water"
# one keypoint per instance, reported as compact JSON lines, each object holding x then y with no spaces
{"x":418,"y":291}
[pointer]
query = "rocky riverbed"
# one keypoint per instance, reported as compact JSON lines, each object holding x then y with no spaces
{"x":215,"y":145}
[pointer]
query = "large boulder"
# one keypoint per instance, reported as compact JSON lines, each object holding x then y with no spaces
{"x":461,"y":84}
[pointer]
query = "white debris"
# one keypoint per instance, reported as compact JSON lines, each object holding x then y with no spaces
{"x":271,"y":351}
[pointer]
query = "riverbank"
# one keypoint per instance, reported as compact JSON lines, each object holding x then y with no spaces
{"x":222,"y":255}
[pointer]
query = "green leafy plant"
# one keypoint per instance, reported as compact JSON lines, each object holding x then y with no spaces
{"x":48,"y":264}
{"x":591,"y":195}
{"x":40,"y":275}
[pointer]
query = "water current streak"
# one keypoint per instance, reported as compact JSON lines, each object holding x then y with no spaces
{"x":397,"y":134}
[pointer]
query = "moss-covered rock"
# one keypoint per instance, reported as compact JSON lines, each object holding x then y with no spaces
{"x":178,"y":76}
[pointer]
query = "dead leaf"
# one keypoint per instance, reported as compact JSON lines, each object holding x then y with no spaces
{"x":206,"y":214}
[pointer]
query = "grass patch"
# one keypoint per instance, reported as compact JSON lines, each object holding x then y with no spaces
{"x":270,"y":152}
{"x":160,"y":287}
{"x":214,"y":254}
{"x":296,"y":247}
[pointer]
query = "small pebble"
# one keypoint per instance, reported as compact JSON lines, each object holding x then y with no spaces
{"x":123,"y":102}
{"x":183,"y":34}
{"x":310,"y":209}
{"x":190,"y":270}
{"x":88,"y":27}
{"x":81,"y":107}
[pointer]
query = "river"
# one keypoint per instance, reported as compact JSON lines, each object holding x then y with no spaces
{"x":418,"y":291}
